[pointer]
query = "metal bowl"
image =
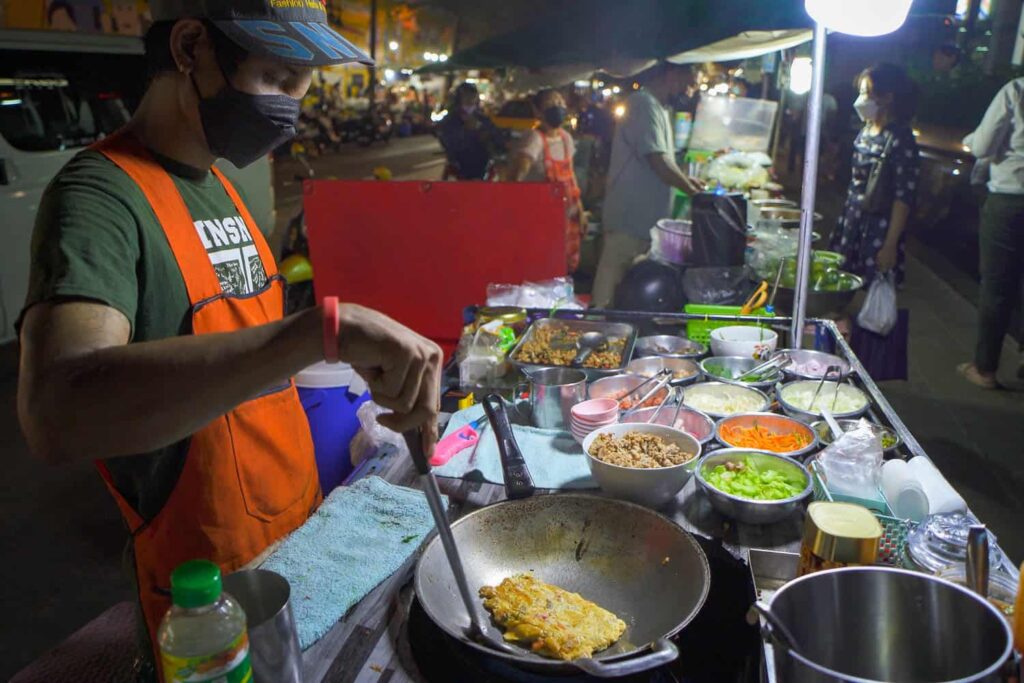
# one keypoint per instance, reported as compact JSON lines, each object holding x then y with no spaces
{"x":693,"y":422}
{"x":821,"y":302}
{"x":653,"y":487}
{"x":616,"y":387}
{"x":824,"y":433}
{"x":807,"y":356}
{"x":783,"y":217}
{"x":668,"y":346}
{"x":722,"y":387}
{"x":779,"y":424}
{"x":737,"y":365}
{"x":684,"y":370}
{"x":745,"y":509}
{"x":807,"y":416}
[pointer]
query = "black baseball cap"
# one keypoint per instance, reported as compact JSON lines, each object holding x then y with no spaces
{"x":292,"y":31}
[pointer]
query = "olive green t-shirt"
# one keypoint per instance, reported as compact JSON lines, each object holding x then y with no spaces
{"x":97,"y":238}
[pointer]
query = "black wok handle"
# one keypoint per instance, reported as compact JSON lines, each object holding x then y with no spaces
{"x":662,"y":652}
{"x":518,"y":482}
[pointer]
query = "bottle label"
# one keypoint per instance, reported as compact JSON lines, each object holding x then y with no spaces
{"x":228,"y":666}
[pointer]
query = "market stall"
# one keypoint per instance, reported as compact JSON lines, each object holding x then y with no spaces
{"x":389,"y":633}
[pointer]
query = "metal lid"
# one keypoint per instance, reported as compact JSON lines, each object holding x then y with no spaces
{"x":842,"y":532}
{"x":940,"y":541}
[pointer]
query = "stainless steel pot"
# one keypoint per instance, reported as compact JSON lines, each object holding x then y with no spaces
{"x":553,"y":393}
{"x":876,"y":624}
{"x":608,"y":551}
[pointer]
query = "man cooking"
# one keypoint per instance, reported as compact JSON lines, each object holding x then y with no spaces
{"x":152,"y":336}
{"x":641,"y":176}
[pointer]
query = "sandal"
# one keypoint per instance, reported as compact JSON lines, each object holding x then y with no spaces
{"x":972,"y":375}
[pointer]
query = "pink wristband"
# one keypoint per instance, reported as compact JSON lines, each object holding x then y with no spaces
{"x":332,"y":324}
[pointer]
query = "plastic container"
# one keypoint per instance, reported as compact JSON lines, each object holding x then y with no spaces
{"x":330,"y":394}
{"x":700,"y":330}
{"x":738,"y":123}
{"x":203,"y":634}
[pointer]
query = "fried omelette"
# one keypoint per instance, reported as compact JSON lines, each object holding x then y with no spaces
{"x":551,"y":620}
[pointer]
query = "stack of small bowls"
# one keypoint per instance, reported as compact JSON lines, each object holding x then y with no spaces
{"x":592,"y":415}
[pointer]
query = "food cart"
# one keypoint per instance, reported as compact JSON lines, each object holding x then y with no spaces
{"x":388,"y":634}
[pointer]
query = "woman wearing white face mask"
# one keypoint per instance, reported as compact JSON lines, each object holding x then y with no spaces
{"x":870,"y":229}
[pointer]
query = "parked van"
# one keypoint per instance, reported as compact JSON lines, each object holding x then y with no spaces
{"x":60,"y":92}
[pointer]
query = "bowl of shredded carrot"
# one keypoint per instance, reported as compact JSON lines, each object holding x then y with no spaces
{"x":766,"y":432}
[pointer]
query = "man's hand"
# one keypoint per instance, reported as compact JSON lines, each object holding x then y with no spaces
{"x":886,"y":258}
{"x":691,"y":185}
{"x":402,"y":368}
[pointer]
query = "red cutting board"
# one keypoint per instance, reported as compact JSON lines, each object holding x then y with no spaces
{"x":423,"y":251}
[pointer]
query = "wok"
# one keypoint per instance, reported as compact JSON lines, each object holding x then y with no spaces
{"x":624,"y":557}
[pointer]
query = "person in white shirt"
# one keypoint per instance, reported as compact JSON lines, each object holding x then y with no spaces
{"x":546,"y":155}
{"x":999,"y":142}
{"x":641,"y":176}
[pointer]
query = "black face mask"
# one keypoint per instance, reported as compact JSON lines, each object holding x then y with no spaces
{"x":554,"y":116}
{"x":241,"y":127}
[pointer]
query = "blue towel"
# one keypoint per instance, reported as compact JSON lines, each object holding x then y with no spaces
{"x":361,"y":535}
{"x":554,"y":458}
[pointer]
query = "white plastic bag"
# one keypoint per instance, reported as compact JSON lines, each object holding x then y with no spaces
{"x":879,"y":312}
{"x":853,"y":463}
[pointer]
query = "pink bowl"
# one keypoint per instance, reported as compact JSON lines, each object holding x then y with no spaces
{"x":595,"y":409}
{"x":594,"y":424}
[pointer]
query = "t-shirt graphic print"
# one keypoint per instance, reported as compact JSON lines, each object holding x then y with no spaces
{"x":233,"y":253}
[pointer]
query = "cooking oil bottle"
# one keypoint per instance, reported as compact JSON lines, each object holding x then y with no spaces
{"x":203,"y":637}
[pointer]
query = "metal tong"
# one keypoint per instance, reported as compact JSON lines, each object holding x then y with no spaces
{"x":665,"y":377}
{"x":776,"y":362}
{"x":668,"y":396}
{"x":830,"y":370}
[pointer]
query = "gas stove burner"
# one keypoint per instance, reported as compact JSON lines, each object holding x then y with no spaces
{"x":442,"y":659}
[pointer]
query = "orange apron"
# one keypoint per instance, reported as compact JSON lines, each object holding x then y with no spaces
{"x":249,"y":476}
{"x":561,"y":172}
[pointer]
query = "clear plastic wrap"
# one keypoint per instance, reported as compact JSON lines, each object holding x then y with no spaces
{"x":557,"y":292}
{"x":853,"y":463}
{"x":372,"y":435}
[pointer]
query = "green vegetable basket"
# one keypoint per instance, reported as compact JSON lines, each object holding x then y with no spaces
{"x":700,"y":330}
{"x":892,"y":546}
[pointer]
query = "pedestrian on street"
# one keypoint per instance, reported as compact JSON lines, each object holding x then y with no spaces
{"x":641,"y":176}
{"x":870,"y":228}
{"x":546,"y":155}
{"x":998,"y":142}
{"x":470,"y":139}
{"x":152,"y":338}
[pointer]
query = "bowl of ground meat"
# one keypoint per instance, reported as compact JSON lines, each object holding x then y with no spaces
{"x":643,"y":463}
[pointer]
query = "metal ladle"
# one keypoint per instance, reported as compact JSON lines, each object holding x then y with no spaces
{"x":480,"y":628}
{"x":588,"y":344}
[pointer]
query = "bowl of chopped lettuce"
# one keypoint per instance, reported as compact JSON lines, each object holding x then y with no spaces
{"x":751,"y":486}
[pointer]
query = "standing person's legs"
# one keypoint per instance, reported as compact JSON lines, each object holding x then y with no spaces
{"x":1001,"y":257}
{"x":617,"y":255}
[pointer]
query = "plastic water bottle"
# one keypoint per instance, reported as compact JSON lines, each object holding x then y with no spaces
{"x":203,"y":636}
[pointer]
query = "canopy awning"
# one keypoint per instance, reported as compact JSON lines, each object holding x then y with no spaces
{"x":745,"y":45}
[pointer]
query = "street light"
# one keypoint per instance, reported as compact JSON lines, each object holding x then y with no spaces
{"x":393,"y":46}
{"x":861,"y":18}
{"x":442,"y":57}
{"x":800,"y":74}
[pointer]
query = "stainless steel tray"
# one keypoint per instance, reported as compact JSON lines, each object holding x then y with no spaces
{"x":609,"y":329}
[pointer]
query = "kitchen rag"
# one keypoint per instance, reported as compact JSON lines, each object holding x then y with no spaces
{"x":554,"y":458}
{"x":359,"y":536}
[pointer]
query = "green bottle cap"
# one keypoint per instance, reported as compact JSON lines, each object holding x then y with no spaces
{"x":195,"y":583}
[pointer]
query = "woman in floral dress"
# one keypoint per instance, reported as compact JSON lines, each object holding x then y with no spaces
{"x":872,"y":242}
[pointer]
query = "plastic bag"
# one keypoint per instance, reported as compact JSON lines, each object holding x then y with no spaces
{"x":557,"y":292}
{"x":853,"y":463}
{"x":723,"y":286}
{"x":372,"y":435}
{"x":879,"y":312}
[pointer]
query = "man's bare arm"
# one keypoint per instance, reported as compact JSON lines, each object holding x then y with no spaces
{"x":85,"y":393}
{"x":669,"y":173}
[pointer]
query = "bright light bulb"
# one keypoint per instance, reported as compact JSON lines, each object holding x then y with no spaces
{"x":616,"y":89}
{"x":393,"y":46}
{"x":619,"y":111}
{"x":442,"y":57}
{"x":389,"y":74}
{"x":607,"y":92}
{"x":861,"y":18}
{"x":800,"y":73}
